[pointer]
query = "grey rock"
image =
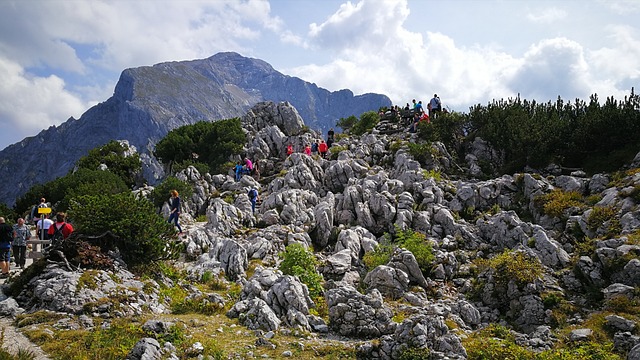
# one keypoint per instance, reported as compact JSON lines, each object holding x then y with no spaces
{"x":617,"y":289}
{"x":145,"y":349}
{"x":580,"y":335}
{"x":634,"y":354}
{"x":389,"y":281}
{"x":358,"y":315}
{"x":620,"y":323}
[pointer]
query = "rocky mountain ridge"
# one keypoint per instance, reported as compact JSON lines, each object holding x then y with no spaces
{"x":150,"y":101}
{"x":508,"y":251}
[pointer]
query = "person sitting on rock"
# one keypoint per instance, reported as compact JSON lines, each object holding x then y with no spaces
{"x":289,"y":149}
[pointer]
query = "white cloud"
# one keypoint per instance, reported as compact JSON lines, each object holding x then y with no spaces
{"x":547,"y":15}
{"x":28,"y":104}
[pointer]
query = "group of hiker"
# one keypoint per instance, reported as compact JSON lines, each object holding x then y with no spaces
{"x":247,"y":168}
{"x":14,"y":239}
{"x":318,"y":146}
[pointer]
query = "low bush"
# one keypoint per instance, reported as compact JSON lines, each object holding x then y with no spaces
{"x":142,"y":235}
{"x":380,"y":256}
{"x":418,"y":245}
{"x":300,"y":262}
{"x":556,"y":202}
{"x":512,"y":265}
{"x":160,"y":193}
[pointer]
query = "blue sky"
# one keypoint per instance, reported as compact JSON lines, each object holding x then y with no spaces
{"x":60,"y":57}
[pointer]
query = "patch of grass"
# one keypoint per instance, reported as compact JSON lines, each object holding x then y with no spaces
{"x":335,"y":150}
{"x":428,"y":174}
{"x":201,"y":218}
{"x":88,"y":280}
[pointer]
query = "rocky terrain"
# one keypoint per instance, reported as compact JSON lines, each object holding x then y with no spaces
{"x":150,"y":101}
{"x":508,"y":251}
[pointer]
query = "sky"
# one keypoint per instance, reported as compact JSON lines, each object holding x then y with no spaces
{"x":60,"y":57}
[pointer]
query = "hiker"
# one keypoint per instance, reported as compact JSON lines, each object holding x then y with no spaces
{"x":238,"y":169}
{"x":253,"y":197}
{"x":21,"y":234}
{"x":435,"y":105}
{"x":414,"y":124}
{"x":323,"y":148}
{"x":34,"y":211}
{"x":174,"y":215}
{"x":6,"y":236}
{"x":61,"y":229}
{"x":42,"y":227}
{"x":248,"y":166}
{"x":330,"y":135}
{"x":314,"y":147}
{"x":289,"y":149}
{"x":419,"y":108}
{"x":307,"y":149}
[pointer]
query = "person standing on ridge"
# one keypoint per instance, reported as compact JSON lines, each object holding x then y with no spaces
{"x":175,"y":210}
{"x":435,"y":105}
{"x":21,"y":234}
{"x":6,"y":236}
{"x":323,"y":148}
{"x":330,"y":135}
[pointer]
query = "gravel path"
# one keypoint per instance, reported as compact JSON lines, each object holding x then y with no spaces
{"x":13,"y":341}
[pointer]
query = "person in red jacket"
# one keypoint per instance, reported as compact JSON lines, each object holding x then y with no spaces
{"x":289,"y":149}
{"x":61,"y":227}
{"x":323,"y":148}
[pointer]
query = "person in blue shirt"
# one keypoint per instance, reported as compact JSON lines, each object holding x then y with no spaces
{"x":253,"y":197}
{"x":239,"y":169}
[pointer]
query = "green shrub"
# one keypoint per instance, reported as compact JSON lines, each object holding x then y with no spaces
{"x":115,"y":156}
{"x":557,"y":201}
{"x":141,"y":233}
{"x":335,"y":150}
{"x":582,"y":351}
{"x":300,"y":262}
{"x":413,"y":353}
{"x":495,"y":342}
{"x":160,"y":193}
{"x":422,"y":153}
{"x":418,"y":245}
{"x":380,"y":256}
{"x":601,"y":214}
{"x":210,"y":143}
{"x":512,"y":265}
{"x":347,"y":123}
{"x":367,"y":122}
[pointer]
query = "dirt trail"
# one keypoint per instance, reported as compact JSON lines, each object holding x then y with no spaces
{"x":13,"y":341}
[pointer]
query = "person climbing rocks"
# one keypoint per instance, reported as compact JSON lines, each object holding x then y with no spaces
{"x":253,"y":197}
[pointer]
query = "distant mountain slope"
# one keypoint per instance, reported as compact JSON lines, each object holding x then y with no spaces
{"x":150,"y":101}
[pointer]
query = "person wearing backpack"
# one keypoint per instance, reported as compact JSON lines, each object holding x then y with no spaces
{"x":6,"y":237}
{"x":61,"y":229}
{"x":253,"y":197}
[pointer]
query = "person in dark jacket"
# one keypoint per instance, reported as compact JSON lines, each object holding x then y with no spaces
{"x":175,"y":210}
{"x":6,"y":237}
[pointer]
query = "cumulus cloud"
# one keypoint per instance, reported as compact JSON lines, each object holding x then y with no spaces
{"x":28,"y":104}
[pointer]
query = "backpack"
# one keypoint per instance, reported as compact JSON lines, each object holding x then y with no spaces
{"x":253,"y":193}
{"x":57,"y":233}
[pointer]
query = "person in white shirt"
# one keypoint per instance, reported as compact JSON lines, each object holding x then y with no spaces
{"x":42,"y":228}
